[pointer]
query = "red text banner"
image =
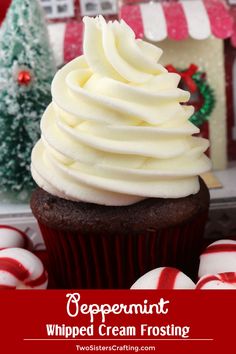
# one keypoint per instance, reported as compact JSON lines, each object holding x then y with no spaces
{"x":74,"y":321}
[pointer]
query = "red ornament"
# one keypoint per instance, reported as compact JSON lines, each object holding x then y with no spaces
{"x":24,"y":77}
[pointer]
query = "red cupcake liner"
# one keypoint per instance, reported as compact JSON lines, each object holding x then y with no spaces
{"x":105,"y":261}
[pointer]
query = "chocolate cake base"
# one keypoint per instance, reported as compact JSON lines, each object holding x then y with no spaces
{"x":95,"y":246}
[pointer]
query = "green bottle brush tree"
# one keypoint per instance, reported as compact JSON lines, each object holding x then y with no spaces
{"x":26,"y":71}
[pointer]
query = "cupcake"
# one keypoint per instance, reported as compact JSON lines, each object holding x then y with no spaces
{"x":118,"y":166}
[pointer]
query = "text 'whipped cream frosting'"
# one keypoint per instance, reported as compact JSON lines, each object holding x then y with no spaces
{"x":116,"y":131}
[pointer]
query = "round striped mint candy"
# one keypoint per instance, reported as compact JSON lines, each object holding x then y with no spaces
{"x":218,"y":281}
{"x":12,"y":237}
{"x":21,"y":269}
{"x":164,"y":278}
{"x":219,"y":257}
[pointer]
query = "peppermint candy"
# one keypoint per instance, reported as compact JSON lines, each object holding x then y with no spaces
{"x":21,"y":269}
{"x":12,"y":237}
{"x":219,"y":257}
{"x":164,"y":278}
{"x":219,"y":281}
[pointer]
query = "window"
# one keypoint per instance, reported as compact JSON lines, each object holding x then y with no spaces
{"x":55,"y":9}
{"x":95,"y":7}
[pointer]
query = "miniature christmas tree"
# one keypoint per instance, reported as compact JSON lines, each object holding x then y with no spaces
{"x":26,"y":71}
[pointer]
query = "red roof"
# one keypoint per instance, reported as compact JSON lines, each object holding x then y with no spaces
{"x":179,"y":20}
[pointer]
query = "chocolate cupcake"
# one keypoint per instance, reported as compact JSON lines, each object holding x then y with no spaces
{"x":117,"y":166}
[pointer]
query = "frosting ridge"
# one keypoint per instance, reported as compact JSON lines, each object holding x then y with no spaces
{"x":117,"y":130}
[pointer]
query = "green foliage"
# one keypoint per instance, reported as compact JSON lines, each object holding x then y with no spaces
{"x":201,"y":116}
{"x":23,"y":46}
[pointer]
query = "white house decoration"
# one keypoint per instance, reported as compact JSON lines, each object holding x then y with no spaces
{"x":56,"y":9}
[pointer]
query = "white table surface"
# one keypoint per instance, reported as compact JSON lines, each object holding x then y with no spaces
{"x":228,"y":180}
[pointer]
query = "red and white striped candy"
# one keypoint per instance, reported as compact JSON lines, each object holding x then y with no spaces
{"x":21,"y":269}
{"x":218,"y":281}
{"x":219,"y":257}
{"x":12,"y":237}
{"x":164,"y":278}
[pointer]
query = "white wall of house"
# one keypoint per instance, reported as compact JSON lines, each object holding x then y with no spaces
{"x":208,"y":54}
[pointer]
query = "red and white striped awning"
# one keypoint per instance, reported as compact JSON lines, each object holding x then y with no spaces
{"x":179,"y":20}
{"x":66,"y":39}
{"x":155,"y":21}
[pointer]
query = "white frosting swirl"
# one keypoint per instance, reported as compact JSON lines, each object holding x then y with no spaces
{"x":116,"y":131}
